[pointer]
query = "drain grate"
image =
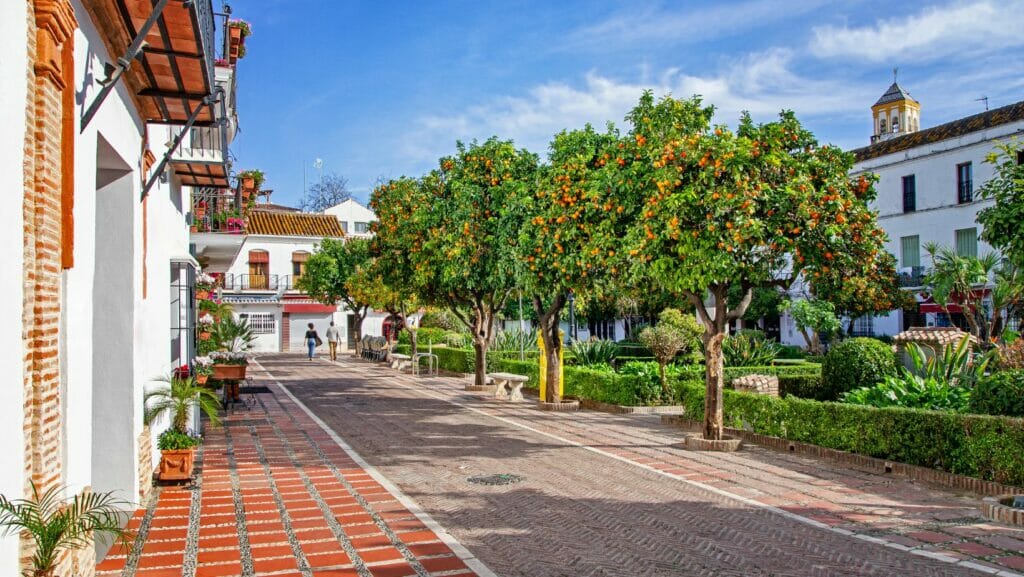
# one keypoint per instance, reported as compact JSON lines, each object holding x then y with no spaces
{"x":498,"y":479}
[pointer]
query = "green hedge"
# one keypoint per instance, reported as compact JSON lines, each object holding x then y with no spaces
{"x":974,"y":445}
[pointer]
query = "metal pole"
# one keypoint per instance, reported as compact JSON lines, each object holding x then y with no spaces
{"x":124,"y":63}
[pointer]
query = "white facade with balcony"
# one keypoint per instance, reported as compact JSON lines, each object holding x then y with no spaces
{"x":927,"y":186}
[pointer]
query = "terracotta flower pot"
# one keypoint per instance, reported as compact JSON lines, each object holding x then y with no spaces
{"x":193,"y":228}
{"x":202,"y":295}
{"x":204,"y":336}
{"x":176,"y":465}
{"x":248,"y":183}
{"x":229,"y":372}
{"x":201,"y":378}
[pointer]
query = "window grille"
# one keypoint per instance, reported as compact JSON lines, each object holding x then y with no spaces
{"x":261,"y":323}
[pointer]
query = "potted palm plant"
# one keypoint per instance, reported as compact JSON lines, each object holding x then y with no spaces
{"x":177,"y":445}
{"x":55,"y":524}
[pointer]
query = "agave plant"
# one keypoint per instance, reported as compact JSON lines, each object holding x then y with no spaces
{"x":515,"y":340}
{"x":598,"y":352}
{"x":749,"y":348}
{"x":56,"y":525}
{"x":953,"y":365}
{"x":177,"y":399}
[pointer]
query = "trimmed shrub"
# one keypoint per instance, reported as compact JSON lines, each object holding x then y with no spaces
{"x":790,"y":352}
{"x":985,"y":447}
{"x":1001,"y":393}
{"x":854,"y":363}
{"x":424,"y":335}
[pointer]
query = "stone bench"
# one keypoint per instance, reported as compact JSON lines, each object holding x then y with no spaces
{"x":759,"y":384}
{"x":507,"y":385}
{"x":399,"y":361}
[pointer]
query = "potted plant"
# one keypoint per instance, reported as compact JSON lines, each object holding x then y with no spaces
{"x":205,"y":284}
{"x":251,"y":179}
{"x":177,"y":445}
{"x":203,"y":368}
{"x":241,"y":28}
{"x":205,"y":323}
{"x":55,"y":524}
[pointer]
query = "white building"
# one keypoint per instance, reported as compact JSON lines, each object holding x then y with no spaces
{"x":926,"y":193}
{"x":353,"y":217}
{"x":98,"y":302}
{"x":258,"y":269}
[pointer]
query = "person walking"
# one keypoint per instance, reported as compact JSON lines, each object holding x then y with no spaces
{"x":312,"y":341}
{"x":333,"y":338}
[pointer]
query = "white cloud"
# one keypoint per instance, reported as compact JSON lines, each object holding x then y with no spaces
{"x":930,"y":34}
{"x":761,"y":83}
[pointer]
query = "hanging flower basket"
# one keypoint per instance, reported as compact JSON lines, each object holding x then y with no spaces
{"x":248,"y":183}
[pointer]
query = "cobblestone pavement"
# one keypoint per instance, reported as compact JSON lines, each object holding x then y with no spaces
{"x":614,"y":494}
{"x":277,"y":495}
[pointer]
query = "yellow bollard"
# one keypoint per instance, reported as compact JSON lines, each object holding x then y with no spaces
{"x":543,"y":376}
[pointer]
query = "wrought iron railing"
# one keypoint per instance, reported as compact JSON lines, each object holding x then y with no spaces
{"x":255,"y":282}
{"x":203,"y":10}
{"x":914,"y":277}
{"x":965,"y":191}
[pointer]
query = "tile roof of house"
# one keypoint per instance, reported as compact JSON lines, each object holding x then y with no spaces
{"x":271,"y":207}
{"x":293,"y":224}
{"x":954,"y":129}
{"x":894,"y":94}
{"x":940,"y":336}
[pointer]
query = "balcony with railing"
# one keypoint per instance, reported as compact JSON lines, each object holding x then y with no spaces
{"x":229,"y":282}
{"x":913,"y":276}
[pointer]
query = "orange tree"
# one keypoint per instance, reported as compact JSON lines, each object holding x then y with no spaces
{"x":402,"y":209}
{"x":758,"y":207}
{"x":868,"y":284}
{"x":468,"y":258}
{"x":328,"y":272}
{"x":573,"y":232}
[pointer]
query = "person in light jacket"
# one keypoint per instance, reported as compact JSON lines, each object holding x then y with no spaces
{"x":333,"y":338}
{"x":312,"y":340}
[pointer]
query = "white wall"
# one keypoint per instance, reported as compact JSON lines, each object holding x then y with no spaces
{"x":349,"y":213}
{"x":280,"y":249}
{"x":13,"y":99}
{"x":264,"y":343}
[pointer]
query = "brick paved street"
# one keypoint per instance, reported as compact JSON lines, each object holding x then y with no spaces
{"x":601,"y":494}
{"x":277,"y":496}
{"x":614,"y":495}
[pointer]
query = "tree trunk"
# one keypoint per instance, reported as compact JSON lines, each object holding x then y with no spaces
{"x":713,"y":373}
{"x":665,"y":395}
{"x":359,"y":333}
{"x":412,"y":341}
{"x":480,"y":348}
{"x":552,"y":344}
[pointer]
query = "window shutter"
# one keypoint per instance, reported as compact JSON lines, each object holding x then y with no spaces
{"x":967,"y":242}
{"x":911,"y":251}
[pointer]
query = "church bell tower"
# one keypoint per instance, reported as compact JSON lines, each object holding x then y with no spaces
{"x":896,"y":113}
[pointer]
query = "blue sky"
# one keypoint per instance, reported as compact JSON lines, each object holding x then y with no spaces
{"x":383,"y":89}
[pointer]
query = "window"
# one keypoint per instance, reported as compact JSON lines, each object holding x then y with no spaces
{"x":259,"y":269}
{"x":1020,"y":156}
{"x":299,"y":259}
{"x":910,"y":253}
{"x":881,"y":126}
{"x":967,"y":242}
{"x":344,"y":226}
{"x":864,"y":326}
{"x":964,"y":188}
{"x":362,"y":227}
{"x":909,"y":193}
{"x":895,"y":125}
{"x":260,"y":323}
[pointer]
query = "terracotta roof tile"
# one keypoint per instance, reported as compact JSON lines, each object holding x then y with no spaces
{"x":954,"y":129}
{"x":293,"y":224}
{"x":941,"y":336}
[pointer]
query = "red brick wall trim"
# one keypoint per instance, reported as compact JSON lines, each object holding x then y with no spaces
{"x":55,"y":21}
{"x":923,"y":474}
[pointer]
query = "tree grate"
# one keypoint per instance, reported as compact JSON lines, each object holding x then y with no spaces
{"x":497,"y":479}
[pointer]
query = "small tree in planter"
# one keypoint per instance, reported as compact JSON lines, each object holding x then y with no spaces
{"x":56,"y":525}
{"x":675,"y":333}
{"x":176,"y":399}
